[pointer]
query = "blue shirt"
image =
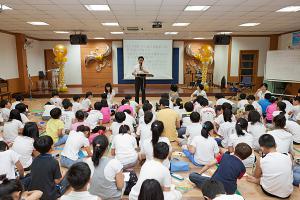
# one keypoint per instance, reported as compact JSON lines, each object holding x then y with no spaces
{"x":230,"y":169}
{"x":264,"y":103}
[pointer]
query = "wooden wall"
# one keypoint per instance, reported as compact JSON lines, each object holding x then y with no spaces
{"x":196,"y":44}
{"x":90,"y":77}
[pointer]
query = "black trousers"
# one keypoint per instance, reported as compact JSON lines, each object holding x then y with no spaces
{"x":140,"y":84}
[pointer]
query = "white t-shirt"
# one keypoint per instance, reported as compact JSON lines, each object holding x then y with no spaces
{"x":5,"y":114}
{"x":147,"y":149}
{"x":283,"y":139}
{"x":76,"y":106}
{"x":151,"y":169}
{"x":193,"y":130}
{"x":144,"y":131}
{"x":125,"y":145}
{"x":294,"y":129}
{"x":23,"y":146}
{"x":24,"y":118}
{"x":256,"y":130}
{"x":67,"y":117}
{"x":115,"y":127}
{"x":242,"y":103}
{"x":110,"y":97}
{"x":296,"y":112}
{"x":225,"y":130}
{"x":13,"y":105}
{"x":277,"y":174}
{"x":86,"y":104}
{"x":257,"y":107}
{"x":129,"y":119}
{"x":47,"y":109}
{"x":200,"y":93}
{"x":220,"y":119}
{"x":289,"y":106}
{"x":79,"y":196}
{"x":229,"y":197}
{"x":277,"y":112}
{"x":11,"y":130}
{"x":74,"y":143}
{"x":207,"y":114}
{"x":95,"y":116}
{"x":56,"y":101}
{"x":223,"y":100}
{"x":8,"y":160}
{"x":186,"y":120}
{"x":234,"y":139}
{"x":206,"y":148}
{"x":261,"y":94}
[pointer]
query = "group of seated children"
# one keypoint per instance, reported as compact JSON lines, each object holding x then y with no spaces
{"x":100,"y":141}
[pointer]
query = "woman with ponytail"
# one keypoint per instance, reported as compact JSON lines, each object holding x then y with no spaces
{"x":124,"y":147}
{"x":107,"y":180}
{"x":203,"y":148}
{"x":157,"y":128}
{"x":241,"y":135}
{"x":255,"y":127}
{"x":226,"y":129}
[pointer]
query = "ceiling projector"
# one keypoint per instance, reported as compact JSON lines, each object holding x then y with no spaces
{"x":157,"y":24}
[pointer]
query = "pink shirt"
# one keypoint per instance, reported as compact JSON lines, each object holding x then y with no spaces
{"x":125,"y":107}
{"x":106,"y":115}
{"x":75,"y":125}
{"x":270,"y":109}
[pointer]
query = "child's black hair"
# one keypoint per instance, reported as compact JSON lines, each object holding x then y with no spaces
{"x":178,"y":102}
{"x":251,"y":97}
{"x":3,"y":146}
{"x":120,"y":117}
{"x":218,"y":108}
{"x":124,"y":101}
{"x":279,"y":121}
{"x":88,"y":94}
{"x":195,"y":117}
{"x":157,"y":127}
{"x":227,"y":115}
{"x":281,"y":106}
{"x":249,"y":107}
{"x":79,"y":115}
{"x":54,"y":93}
{"x":127,"y":111}
{"x":268,"y":96}
{"x":67,"y":104}
{"x":201,"y":87}
{"x":110,"y":88}
{"x":55,"y":113}
{"x":161,"y":150}
{"x":204,"y":102}
{"x":31,"y":130}
{"x":243,"y":96}
{"x":147,"y":107}
{"x":212,"y":188}
{"x":219,"y":96}
{"x":14,"y":114}
{"x":199,"y":99}
{"x":189,"y":106}
{"x":104,"y":103}
{"x":19,"y":97}
{"x":273,"y":99}
{"x":98,"y":128}
{"x":165,"y":95}
{"x":267,"y":140}
{"x":174,"y":88}
{"x":21,"y":107}
{"x":206,"y":128}
{"x":100,"y":144}
{"x":83,"y":128}
{"x":103,"y":96}
{"x":265,"y":85}
{"x":254,"y":117}
{"x":297,"y":98}
{"x":226,"y":105}
{"x":48,"y":103}
{"x":98,"y":105}
{"x":76,"y":97}
{"x":151,"y":190}
{"x":124,"y":129}
{"x":78,"y":175}
{"x":148,"y":117}
{"x":242,"y":150}
{"x":8,"y":187}
{"x":3,"y":103}
{"x":241,"y":126}
{"x":43,"y":144}
{"x":128,"y":97}
{"x":165,"y":102}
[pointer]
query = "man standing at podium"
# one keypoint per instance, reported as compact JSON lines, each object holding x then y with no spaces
{"x":140,"y":79}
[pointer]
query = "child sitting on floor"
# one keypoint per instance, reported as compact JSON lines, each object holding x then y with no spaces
{"x":76,"y":140}
{"x":199,"y":92}
{"x":270,"y":109}
{"x":255,"y":127}
{"x":76,"y":104}
{"x":13,"y":126}
{"x":273,"y":171}
{"x":95,"y":116}
{"x":105,"y":110}
{"x":203,"y":148}
{"x":230,"y":169}
{"x":47,"y":108}
{"x":173,"y":94}
{"x":5,"y":108}
{"x":144,"y":129}
{"x":146,"y":107}
{"x":55,"y":127}
{"x":79,"y":115}
{"x":98,"y":130}
{"x":124,"y":147}
{"x":206,"y":113}
{"x":21,"y":107}
{"x":115,"y":126}
{"x":295,"y":112}
{"x":132,"y":103}
{"x":192,"y":129}
{"x":242,"y":102}
{"x":86,"y":102}
{"x":226,"y":129}
{"x":220,"y":118}
{"x":19,"y":99}
{"x":264,"y":103}
{"x":126,"y":106}
{"x":67,"y":116}
{"x":252,"y":101}
{"x":185,"y":118}
{"x":55,"y":99}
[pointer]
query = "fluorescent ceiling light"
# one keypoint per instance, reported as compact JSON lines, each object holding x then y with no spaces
{"x":199,"y":38}
{"x":224,"y":33}
{"x":38,"y":23}
{"x":110,"y":24}
{"x":4,"y":7}
{"x":61,"y":32}
{"x":99,"y":38}
{"x":181,"y":24}
{"x":97,"y":7}
{"x":250,"y":24}
{"x":171,"y":33}
{"x":289,"y":9}
{"x":117,"y":33}
{"x":196,"y":8}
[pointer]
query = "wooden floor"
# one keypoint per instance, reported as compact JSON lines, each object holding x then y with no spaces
{"x":121,"y":91}
{"x":248,"y":190}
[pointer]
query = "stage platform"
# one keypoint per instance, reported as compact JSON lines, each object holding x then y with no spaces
{"x":123,"y":90}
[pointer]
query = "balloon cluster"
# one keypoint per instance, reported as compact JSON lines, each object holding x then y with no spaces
{"x":60,"y":52}
{"x":99,"y":57}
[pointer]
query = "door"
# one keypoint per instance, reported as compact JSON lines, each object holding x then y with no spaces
{"x":248,"y":66}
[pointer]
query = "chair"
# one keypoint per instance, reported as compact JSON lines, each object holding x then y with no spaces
{"x":4,"y":89}
{"x":246,"y":83}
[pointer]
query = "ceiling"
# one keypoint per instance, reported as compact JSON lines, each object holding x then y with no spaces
{"x":223,"y":15}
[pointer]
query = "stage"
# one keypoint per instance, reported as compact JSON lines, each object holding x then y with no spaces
{"x":123,"y":90}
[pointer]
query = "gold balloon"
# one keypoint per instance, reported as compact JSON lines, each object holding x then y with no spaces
{"x":206,"y":51}
{"x":60,"y":51}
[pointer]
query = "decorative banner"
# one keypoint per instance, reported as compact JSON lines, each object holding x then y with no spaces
{"x":60,"y":52}
{"x":296,"y":40}
{"x":99,"y":57}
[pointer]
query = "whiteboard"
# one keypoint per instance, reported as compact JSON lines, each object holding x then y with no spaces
{"x":157,"y":54}
{"x":283,"y":66}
